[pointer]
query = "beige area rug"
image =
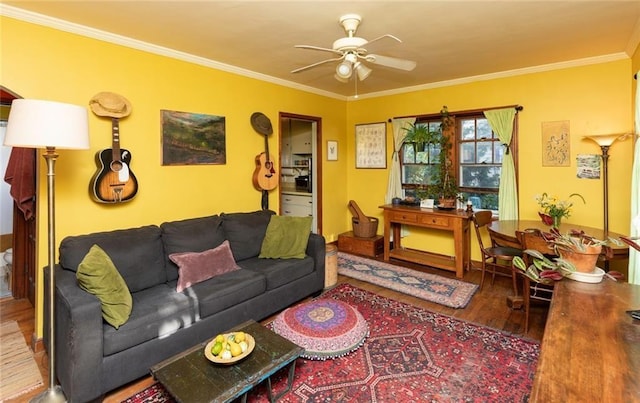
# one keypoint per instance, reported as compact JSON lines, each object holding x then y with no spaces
{"x":19,"y":372}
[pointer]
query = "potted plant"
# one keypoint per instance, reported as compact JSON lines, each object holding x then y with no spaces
{"x":420,"y":135}
{"x":443,"y":187}
{"x":577,"y":251}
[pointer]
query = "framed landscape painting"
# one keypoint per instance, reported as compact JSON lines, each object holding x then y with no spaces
{"x":192,"y":138}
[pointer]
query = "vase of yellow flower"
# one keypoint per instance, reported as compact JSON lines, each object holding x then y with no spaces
{"x":553,"y":209}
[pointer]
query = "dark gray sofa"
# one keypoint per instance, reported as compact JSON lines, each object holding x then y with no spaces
{"x":93,"y":358}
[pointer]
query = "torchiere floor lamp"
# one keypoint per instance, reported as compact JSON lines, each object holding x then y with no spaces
{"x":50,"y":125}
{"x":605,"y":141}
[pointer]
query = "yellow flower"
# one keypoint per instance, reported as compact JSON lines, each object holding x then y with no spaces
{"x":550,"y":205}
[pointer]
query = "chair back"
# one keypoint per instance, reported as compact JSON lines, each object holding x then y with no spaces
{"x":481,"y":219}
{"x":532,"y":239}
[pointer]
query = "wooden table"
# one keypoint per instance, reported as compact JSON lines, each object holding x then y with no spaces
{"x":191,"y":377}
{"x":591,"y":347}
{"x":455,"y":222}
{"x":508,"y":228}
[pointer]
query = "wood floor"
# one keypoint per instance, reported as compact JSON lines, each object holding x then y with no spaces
{"x":487,"y":307}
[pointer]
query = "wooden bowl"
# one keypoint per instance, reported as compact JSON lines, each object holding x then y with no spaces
{"x":251,"y":343}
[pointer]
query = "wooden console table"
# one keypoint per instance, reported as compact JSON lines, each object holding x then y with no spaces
{"x":591,"y":347}
{"x":456,"y":222}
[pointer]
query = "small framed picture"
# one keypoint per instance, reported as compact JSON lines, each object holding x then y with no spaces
{"x":332,"y":150}
{"x":427,"y":203}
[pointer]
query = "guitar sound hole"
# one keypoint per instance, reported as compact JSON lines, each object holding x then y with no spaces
{"x":116,"y":166}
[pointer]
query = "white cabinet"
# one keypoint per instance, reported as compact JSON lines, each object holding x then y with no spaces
{"x":301,"y":142}
{"x":297,"y":205}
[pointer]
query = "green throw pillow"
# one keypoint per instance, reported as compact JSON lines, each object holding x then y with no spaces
{"x":98,"y":275}
{"x":286,"y":237}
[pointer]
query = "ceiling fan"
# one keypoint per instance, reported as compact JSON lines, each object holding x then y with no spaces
{"x":351,"y":53}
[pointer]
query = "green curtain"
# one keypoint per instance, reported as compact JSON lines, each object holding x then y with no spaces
{"x":501,"y":122}
{"x":394,"y":187}
{"x":634,"y":255}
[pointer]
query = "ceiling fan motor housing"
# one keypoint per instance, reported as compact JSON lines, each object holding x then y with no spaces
{"x":350,"y":22}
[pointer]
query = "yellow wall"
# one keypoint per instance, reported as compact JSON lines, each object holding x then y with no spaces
{"x":43,"y":63}
{"x":39,"y":62}
{"x":595,"y":99}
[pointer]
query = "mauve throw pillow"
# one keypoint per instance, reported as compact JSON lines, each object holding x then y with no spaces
{"x":196,"y":267}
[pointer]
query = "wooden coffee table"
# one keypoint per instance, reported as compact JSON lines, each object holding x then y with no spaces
{"x":191,"y":377}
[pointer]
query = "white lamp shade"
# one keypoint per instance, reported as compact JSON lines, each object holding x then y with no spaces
{"x":39,"y":124}
{"x":343,"y":70}
{"x":605,"y":140}
{"x":362,"y":71}
{"x":341,"y":79}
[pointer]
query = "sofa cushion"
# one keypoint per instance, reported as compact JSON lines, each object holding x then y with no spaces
{"x":97,"y":275}
{"x":136,"y":252}
{"x":279,"y":272}
{"x":196,"y":267}
{"x":245,"y":232}
{"x":286,"y":237}
{"x":191,"y":235}
{"x":226,"y":290}
{"x":157,"y":312}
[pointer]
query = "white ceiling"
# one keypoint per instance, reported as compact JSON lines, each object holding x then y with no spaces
{"x":450,"y":40}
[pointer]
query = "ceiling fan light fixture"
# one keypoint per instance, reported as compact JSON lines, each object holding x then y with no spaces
{"x":341,"y":79}
{"x":344,"y":70}
{"x":362,"y":71}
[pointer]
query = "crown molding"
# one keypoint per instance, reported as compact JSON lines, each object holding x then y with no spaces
{"x":66,"y":26}
{"x":104,"y":36}
{"x":501,"y":74}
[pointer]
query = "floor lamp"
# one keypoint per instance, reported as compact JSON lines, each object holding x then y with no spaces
{"x":605,"y":141}
{"x":49,"y":125}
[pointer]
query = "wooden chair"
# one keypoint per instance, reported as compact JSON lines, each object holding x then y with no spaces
{"x":531,"y":290}
{"x":496,"y":255}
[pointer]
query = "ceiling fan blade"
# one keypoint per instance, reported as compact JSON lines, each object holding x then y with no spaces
{"x":382,"y":37}
{"x":311,"y":47}
{"x":393,"y":62}
{"x":335,"y":59}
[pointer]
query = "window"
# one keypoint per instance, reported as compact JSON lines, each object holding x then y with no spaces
{"x":476,"y":154}
{"x":420,"y":163}
{"x":480,"y":162}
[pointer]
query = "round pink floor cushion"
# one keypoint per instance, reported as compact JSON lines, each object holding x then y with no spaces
{"x":325,"y":328}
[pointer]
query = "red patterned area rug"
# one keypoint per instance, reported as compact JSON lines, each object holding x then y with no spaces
{"x":411,"y":355}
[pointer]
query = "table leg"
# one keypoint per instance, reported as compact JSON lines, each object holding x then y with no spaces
{"x":272,"y":399}
{"x":387,"y":238}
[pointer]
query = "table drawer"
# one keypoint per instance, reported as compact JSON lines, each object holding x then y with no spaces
{"x":435,"y":221}
{"x":405,"y":217}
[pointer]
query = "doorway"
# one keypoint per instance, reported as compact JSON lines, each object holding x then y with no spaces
{"x":18,"y":233}
{"x":300,"y":170}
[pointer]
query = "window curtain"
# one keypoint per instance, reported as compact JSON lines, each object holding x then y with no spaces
{"x":634,"y":255}
{"x":501,"y":122}
{"x":394,"y":187}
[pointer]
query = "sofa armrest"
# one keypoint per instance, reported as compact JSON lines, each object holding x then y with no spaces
{"x":79,"y":339}
{"x":317,"y":249}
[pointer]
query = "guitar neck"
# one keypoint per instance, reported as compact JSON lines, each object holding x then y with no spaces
{"x":266,"y":146}
{"x":115,"y":139}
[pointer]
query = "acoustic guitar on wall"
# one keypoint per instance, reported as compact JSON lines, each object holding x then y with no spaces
{"x":114,"y":182}
{"x":264,"y":176}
